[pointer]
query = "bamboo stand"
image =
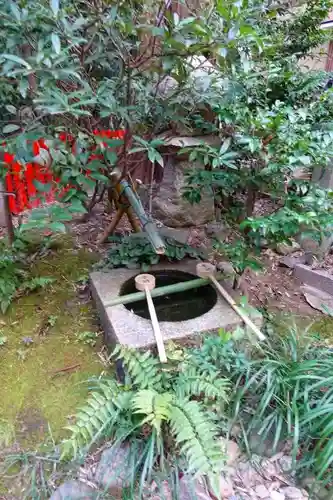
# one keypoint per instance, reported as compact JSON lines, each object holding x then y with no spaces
{"x":159,"y":292}
{"x":145,"y":283}
{"x":207,"y":270}
{"x":128,"y":202}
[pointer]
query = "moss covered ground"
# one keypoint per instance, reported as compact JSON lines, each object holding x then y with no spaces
{"x":34,"y":397}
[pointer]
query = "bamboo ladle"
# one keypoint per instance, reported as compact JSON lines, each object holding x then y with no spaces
{"x":146,"y":283}
{"x":207,"y":270}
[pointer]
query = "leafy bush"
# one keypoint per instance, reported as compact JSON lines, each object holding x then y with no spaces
{"x":169,"y":407}
{"x":135,"y":251}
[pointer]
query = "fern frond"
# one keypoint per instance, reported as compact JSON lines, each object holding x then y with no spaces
{"x":143,"y":368}
{"x":194,"y":382}
{"x":196,"y":434}
{"x":98,"y":417}
{"x":153,"y":406}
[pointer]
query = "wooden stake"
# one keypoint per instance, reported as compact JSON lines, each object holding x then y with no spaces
{"x":145,"y":283}
{"x":207,"y":270}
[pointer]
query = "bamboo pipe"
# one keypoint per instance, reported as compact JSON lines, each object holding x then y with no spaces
{"x":207,"y":270}
{"x":159,"y":292}
{"x":145,"y":283}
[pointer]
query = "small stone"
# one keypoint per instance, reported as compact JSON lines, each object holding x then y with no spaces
{"x":275,"y":495}
{"x":74,"y":490}
{"x":113,"y":471}
{"x":285,"y":463}
{"x":231,"y":449}
{"x":216,"y":230}
{"x":262,"y":491}
{"x":292,"y":493}
{"x":291,"y":262}
{"x":305,"y":493}
{"x":226,"y":488}
{"x":285,"y":249}
{"x":275,"y":485}
{"x":190,"y":488}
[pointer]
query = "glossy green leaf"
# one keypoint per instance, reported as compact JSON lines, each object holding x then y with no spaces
{"x":54,"y":4}
{"x":56,"y":43}
{"x":16,"y":59}
{"x":12,"y":127}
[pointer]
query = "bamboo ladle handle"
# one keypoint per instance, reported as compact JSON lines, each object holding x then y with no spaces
{"x":145,"y":283}
{"x":207,"y":270}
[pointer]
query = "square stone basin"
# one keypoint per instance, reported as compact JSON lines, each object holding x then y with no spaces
{"x":124,"y":324}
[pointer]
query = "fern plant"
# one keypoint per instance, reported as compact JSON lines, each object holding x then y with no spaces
{"x":168,"y":407}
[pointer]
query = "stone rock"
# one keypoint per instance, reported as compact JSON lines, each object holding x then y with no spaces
{"x":291,"y":262}
{"x":217,"y":230}
{"x":190,"y":489}
{"x":285,"y":249}
{"x":113,"y":471}
{"x":169,"y":205}
{"x":275,"y":495}
{"x":231,"y":449}
{"x":275,"y":485}
{"x":74,"y":490}
{"x":318,"y":299}
{"x":261,"y":491}
{"x":292,"y":493}
{"x":285,"y":463}
{"x":315,"y":278}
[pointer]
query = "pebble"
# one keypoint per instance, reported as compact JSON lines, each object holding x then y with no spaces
{"x":74,"y":490}
{"x":285,"y":463}
{"x":262,"y":491}
{"x":292,"y":493}
{"x":275,"y":495}
{"x":275,"y":485}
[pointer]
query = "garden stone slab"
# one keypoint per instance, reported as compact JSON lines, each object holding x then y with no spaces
{"x":292,"y":262}
{"x":123,"y":326}
{"x":315,"y":278}
{"x":74,"y":490}
{"x":318,"y":299}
